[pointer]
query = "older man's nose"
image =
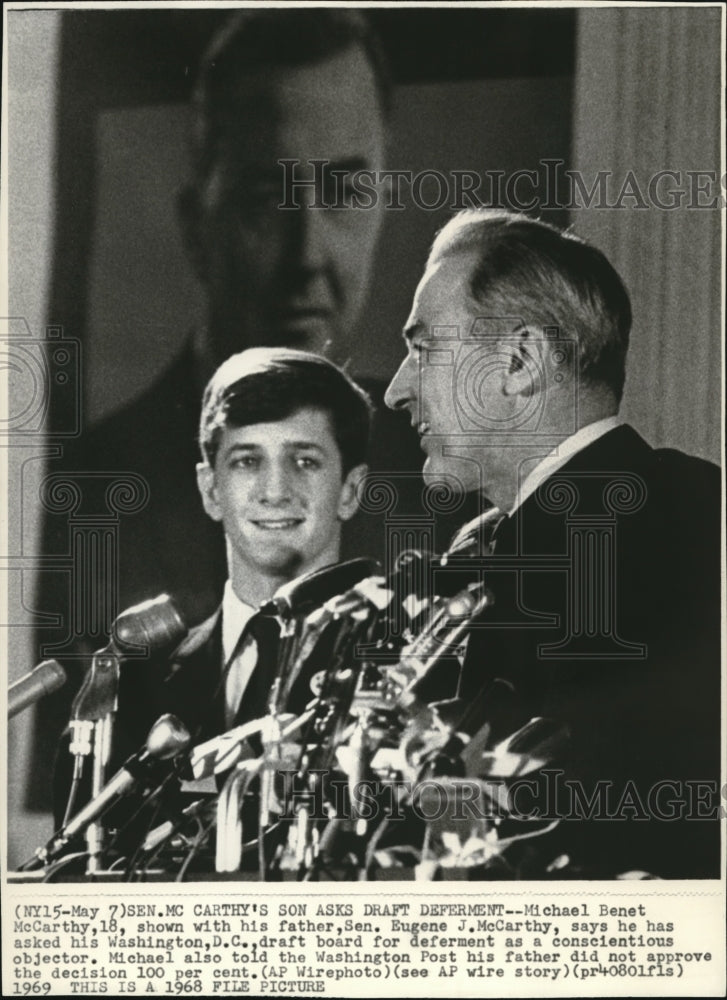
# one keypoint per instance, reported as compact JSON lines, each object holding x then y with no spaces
{"x":401,"y":389}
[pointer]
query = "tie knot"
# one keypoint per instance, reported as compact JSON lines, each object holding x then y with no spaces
{"x":477,"y":536}
{"x":263,"y":628}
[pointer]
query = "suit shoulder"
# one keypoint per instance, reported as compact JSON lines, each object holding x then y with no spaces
{"x":696,"y":479}
{"x":198,"y":636}
{"x":673,"y":459}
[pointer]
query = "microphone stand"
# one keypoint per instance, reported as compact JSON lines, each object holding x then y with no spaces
{"x":94,"y":709}
{"x":167,"y":739}
{"x":152,"y":625}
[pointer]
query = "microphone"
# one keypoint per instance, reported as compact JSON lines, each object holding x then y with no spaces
{"x":155,"y":625}
{"x":305,"y":593}
{"x":47,"y":677}
{"x":156,"y":837}
{"x":538,"y":742}
{"x":451,"y":621}
{"x":371,"y":593}
{"x":167,"y":739}
{"x":412,"y":581}
{"x":353,"y":605}
{"x":347,"y":591}
{"x":296,"y":599}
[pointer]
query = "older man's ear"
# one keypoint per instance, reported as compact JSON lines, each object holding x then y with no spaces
{"x":524,"y":360}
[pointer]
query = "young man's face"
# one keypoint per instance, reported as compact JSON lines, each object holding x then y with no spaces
{"x":280,"y":494}
{"x":297,"y":276}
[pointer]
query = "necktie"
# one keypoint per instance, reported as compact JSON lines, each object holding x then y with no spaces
{"x":266,"y":633}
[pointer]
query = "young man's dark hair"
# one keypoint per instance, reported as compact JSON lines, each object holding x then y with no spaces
{"x":264,"y":385}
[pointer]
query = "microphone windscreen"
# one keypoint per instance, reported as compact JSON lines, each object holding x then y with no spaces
{"x":47,"y":677}
{"x":307,"y":592}
{"x":167,"y":738}
{"x":155,"y":625}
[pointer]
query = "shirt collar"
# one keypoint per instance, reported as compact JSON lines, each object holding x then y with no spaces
{"x":555,"y":460}
{"x":235,"y":616}
{"x":562,"y":453}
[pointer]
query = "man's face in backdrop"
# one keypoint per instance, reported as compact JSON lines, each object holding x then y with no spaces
{"x":297,"y":276}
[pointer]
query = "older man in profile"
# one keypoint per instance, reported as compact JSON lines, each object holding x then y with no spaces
{"x":604,"y":558}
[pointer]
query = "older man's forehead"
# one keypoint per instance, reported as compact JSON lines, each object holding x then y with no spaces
{"x":445,"y":307}
{"x":445,"y":285}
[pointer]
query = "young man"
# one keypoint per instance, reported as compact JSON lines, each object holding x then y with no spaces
{"x":283,"y":436}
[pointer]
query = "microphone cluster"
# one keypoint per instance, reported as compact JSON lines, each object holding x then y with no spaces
{"x":359,"y":649}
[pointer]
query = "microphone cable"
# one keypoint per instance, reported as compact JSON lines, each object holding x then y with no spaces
{"x":202,"y":833}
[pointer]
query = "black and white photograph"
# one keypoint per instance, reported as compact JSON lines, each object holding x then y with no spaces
{"x":361,"y":424}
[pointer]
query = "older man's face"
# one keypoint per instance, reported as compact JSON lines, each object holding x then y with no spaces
{"x":452,"y":380}
{"x":296,"y":276}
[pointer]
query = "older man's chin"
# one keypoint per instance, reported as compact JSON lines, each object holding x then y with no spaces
{"x":448,"y":475}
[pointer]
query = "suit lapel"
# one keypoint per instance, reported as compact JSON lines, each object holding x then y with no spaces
{"x":193,"y":684}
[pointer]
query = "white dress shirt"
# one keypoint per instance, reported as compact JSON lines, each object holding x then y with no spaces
{"x":235,"y":616}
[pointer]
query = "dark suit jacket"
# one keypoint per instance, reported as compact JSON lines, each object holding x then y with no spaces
{"x":607,"y":618}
